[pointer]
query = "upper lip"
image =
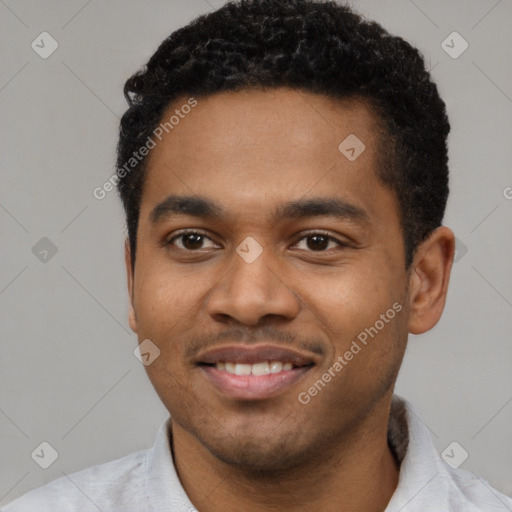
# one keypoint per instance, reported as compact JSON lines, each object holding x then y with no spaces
{"x":250,"y":354}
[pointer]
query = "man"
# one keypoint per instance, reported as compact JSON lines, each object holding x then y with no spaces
{"x":283,"y":169}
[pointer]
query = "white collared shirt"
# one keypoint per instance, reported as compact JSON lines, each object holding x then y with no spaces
{"x":146,"y":481}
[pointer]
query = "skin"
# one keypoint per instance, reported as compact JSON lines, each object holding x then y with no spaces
{"x":250,"y":151}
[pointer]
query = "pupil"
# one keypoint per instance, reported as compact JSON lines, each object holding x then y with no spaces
{"x":319,"y":242}
{"x":192,"y":241}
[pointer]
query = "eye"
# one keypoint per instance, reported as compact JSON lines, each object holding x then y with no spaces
{"x":191,"y":241}
{"x":320,"y":242}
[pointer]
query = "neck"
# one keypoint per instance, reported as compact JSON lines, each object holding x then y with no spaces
{"x":358,"y":473}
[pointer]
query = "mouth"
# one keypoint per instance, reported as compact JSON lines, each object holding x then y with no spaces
{"x":253,"y":372}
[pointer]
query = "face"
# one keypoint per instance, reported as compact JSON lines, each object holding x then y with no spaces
{"x":263,"y":250}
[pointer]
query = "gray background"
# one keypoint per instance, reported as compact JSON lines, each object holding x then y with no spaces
{"x":68,"y":375}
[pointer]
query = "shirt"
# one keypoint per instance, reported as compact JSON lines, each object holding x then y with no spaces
{"x":146,"y":481}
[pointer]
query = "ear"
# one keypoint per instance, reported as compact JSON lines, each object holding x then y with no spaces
{"x":132,"y":319}
{"x":429,"y":278}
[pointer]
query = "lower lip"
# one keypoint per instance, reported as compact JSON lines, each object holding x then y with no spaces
{"x":253,"y":387}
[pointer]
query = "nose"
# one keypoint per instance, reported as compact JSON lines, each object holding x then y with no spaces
{"x":249,"y":292}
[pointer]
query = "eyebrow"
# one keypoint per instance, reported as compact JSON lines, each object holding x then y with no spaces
{"x":204,"y":208}
{"x":185,"y":205}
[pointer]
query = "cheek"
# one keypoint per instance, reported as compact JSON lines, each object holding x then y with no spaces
{"x":364,"y":310}
{"x":163,"y":300}
{"x":165,"y":305}
{"x":353,"y":298}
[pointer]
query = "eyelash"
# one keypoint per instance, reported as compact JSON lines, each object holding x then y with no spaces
{"x":312,"y":233}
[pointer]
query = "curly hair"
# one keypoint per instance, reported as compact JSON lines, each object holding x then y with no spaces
{"x":315,"y":46}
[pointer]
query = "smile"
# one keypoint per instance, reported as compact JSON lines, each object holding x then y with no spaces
{"x":260,"y":368}
{"x":243,"y":372}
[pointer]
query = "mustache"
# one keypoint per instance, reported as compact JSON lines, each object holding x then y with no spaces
{"x":240,"y":335}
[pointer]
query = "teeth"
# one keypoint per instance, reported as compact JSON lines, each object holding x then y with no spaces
{"x":276,"y":366}
{"x":243,"y":369}
{"x":260,"y":368}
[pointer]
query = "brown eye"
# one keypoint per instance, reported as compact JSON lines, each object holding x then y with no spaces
{"x":190,"y":241}
{"x":320,"y":242}
{"x":317,"y":242}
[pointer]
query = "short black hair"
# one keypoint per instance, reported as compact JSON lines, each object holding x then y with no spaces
{"x":315,"y":46}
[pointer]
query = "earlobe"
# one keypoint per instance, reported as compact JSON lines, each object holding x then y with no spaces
{"x":429,"y":278}
{"x":132,"y":319}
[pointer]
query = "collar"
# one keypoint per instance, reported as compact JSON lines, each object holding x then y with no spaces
{"x":426,"y":482}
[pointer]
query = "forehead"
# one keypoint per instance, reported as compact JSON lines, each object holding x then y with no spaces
{"x":265,"y":119}
{"x":249,"y":148}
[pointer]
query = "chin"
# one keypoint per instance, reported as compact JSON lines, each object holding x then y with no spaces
{"x":256,"y":461}
{"x":260,"y":456}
